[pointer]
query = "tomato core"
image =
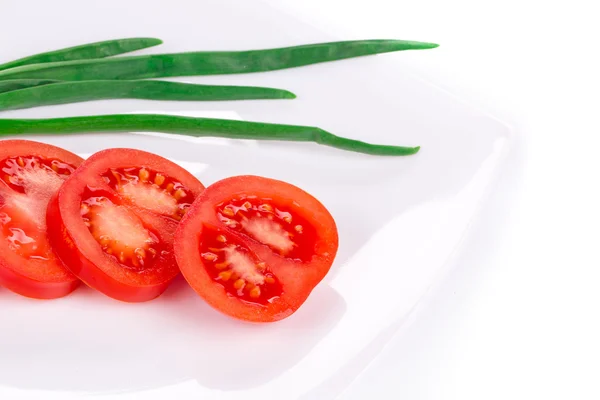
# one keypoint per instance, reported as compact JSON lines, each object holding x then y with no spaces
{"x":113,"y":223}
{"x":32,"y":180}
{"x":286,"y":234}
{"x":241,"y":273}
{"x":151,"y":190}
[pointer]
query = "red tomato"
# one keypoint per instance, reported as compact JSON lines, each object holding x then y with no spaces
{"x":112,"y":222}
{"x":254,"y":248}
{"x":30,"y":173}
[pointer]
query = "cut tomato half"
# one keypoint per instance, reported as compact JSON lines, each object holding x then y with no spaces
{"x":254,"y":248}
{"x":112,"y":222}
{"x":30,"y":174}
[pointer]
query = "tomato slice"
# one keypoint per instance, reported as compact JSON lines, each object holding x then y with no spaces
{"x":112,"y":222}
{"x":30,"y":173}
{"x":254,"y":248}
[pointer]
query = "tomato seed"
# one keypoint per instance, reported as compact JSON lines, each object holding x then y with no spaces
{"x":239,"y":284}
{"x":159,"y":179}
{"x":255,"y":292}
{"x":266,"y":207}
{"x":144,"y":175}
{"x":221,"y":239}
{"x":179,"y":194}
{"x":209,"y":256}
{"x":222,"y":265}
{"x":225,"y":275}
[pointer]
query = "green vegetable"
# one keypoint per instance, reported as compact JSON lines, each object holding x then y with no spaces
{"x":85,"y":52}
{"x":197,"y":127}
{"x":73,"y":92}
{"x":208,"y":62}
{"x":16,"y":84}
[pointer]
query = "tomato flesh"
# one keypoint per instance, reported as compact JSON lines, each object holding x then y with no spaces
{"x":254,"y":248}
{"x":115,"y":218}
{"x":30,"y":173}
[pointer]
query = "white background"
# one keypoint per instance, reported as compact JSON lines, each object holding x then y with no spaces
{"x":518,"y":317}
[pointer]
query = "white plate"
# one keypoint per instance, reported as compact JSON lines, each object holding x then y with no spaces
{"x":399,"y":218}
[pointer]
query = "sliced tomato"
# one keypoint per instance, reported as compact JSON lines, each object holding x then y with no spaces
{"x":30,"y":173}
{"x":254,"y":248}
{"x":112,"y":222}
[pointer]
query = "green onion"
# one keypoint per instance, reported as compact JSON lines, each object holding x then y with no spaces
{"x":197,"y":127}
{"x":208,"y":62}
{"x":17,"y":84}
{"x":85,"y":52}
{"x":73,"y":92}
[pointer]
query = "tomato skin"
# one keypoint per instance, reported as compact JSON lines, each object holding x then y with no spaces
{"x":80,"y":251}
{"x":27,"y":287}
{"x":38,"y":279}
{"x":298,"y":278}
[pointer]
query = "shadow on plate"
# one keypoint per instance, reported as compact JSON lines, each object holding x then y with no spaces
{"x":87,"y":342}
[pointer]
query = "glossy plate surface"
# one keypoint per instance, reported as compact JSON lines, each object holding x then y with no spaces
{"x":399,"y":219}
